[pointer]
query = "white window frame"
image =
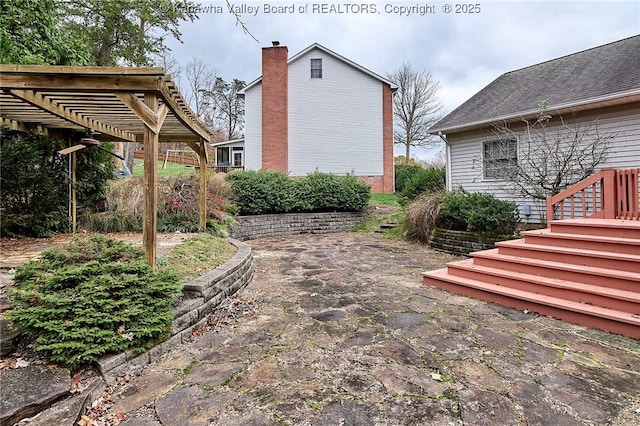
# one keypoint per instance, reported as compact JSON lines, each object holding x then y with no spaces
{"x":499,"y":155}
{"x":317,"y":68}
{"x":233,"y":157}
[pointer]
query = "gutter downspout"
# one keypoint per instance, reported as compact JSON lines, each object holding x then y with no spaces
{"x":447,"y":161}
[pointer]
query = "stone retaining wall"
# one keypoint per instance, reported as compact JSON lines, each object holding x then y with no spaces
{"x":270,"y":225}
{"x":201,"y":297}
{"x":461,"y":242}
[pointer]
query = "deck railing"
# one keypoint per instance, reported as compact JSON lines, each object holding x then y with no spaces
{"x":227,"y":169}
{"x":609,"y":194}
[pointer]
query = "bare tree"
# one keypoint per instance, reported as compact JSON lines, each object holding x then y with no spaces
{"x":416,"y":107}
{"x":170,"y":65}
{"x":547,"y":155}
{"x":228,"y":106}
{"x":200,"y":80}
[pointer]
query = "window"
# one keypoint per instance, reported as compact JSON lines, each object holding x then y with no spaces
{"x":499,"y":157}
{"x":316,"y":68}
{"x":237,"y":157}
{"x":223,"y":155}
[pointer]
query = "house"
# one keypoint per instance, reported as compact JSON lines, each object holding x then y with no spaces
{"x":229,"y":155}
{"x":598,"y":87}
{"x":319,"y":111}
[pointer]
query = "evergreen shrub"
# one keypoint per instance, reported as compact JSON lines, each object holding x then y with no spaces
{"x":460,"y":211}
{"x":464,"y":211}
{"x":427,"y":180}
{"x":403,"y":173}
{"x":35,"y":184}
{"x":92,"y":297}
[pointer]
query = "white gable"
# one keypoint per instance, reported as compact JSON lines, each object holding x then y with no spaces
{"x":335,"y":122}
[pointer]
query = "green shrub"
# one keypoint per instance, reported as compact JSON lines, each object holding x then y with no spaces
{"x":34,"y":186}
{"x":463,"y":211}
{"x":34,"y":182}
{"x":428,"y":180}
{"x":326,"y":192}
{"x":258,"y":192}
{"x":92,"y":297}
{"x":403,"y":173}
{"x":262,"y":192}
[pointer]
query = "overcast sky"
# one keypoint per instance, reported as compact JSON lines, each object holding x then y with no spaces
{"x":464,"y":51}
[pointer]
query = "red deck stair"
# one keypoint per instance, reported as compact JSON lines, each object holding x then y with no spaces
{"x":585,"y":271}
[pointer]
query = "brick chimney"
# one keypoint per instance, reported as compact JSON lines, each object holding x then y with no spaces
{"x":275,"y":131}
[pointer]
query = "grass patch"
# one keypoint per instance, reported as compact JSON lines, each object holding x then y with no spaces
{"x":383,"y":208}
{"x":197,"y":256}
{"x":172,"y":169}
{"x":374,"y":220}
{"x":384,"y":200}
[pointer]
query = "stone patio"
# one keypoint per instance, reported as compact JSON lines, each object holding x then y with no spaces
{"x":338,"y":330}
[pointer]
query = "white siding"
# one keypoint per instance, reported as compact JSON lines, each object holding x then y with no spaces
{"x":625,"y":150}
{"x":253,"y":128}
{"x":466,"y":155}
{"x":335,"y":123}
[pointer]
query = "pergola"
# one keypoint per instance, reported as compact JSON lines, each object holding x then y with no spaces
{"x":119,"y":104}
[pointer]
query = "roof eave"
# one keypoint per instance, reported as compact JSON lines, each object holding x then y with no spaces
{"x":582,"y":105}
{"x":229,"y":142}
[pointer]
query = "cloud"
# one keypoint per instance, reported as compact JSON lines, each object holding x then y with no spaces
{"x":464,"y":51}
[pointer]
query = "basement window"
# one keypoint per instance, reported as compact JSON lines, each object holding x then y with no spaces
{"x":500,"y":158}
{"x":316,"y":68}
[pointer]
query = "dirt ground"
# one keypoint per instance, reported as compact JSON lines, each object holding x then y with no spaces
{"x":16,"y":251}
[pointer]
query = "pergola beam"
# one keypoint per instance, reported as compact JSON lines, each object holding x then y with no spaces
{"x":91,"y":83}
{"x":151,"y":118}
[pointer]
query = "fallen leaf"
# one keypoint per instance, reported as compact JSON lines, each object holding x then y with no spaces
{"x":84,"y":421}
{"x":121,"y":417}
{"x":121,"y":329}
{"x":436,"y":377}
{"x":21,"y":363}
{"x":76,"y":378}
{"x":127,"y":336}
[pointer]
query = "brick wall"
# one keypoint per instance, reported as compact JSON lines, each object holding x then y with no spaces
{"x":388,"y":186}
{"x":269,"y":225}
{"x":275,"y":117}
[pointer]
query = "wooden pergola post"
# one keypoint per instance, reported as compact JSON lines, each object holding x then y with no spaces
{"x":150,"y":215}
{"x":202,"y":156}
{"x":74,"y":203}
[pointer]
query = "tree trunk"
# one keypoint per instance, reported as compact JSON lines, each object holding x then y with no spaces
{"x":407,"y":152}
{"x":129,"y":150}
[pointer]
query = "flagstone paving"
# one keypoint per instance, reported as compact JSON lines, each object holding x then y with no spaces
{"x":337,"y":330}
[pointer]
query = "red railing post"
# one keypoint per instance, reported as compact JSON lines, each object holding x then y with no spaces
{"x":609,"y":193}
{"x":549,"y":209}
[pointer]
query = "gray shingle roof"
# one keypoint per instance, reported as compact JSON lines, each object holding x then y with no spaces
{"x":604,"y":71}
